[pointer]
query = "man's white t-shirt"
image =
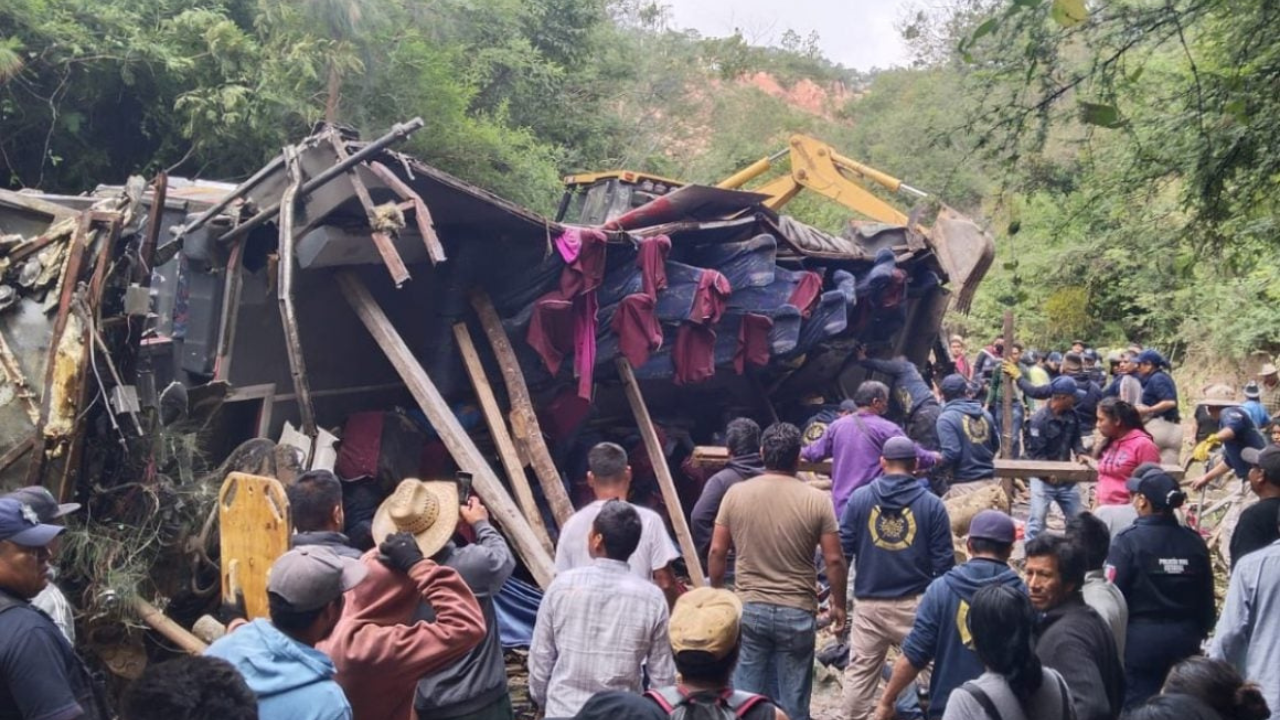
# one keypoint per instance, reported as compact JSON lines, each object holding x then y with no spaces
{"x":656,"y":550}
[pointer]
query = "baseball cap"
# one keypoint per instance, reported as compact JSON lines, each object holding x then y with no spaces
{"x":1055,"y":357}
{"x":1156,"y":485}
{"x":1063,"y":385}
{"x":1151,"y":356}
{"x":898,"y":448}
{"x":43,"y":502}
{"x":1268,"y":459}
{"x":954,"y":386}
{"x":20,"y":523}
{"x":1090,"y":354}
{"x":310,"y":577}
{"x":992,"y":525}
{"x":706,"y":619}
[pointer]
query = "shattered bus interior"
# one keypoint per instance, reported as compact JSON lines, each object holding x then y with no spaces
{"x":353,"y":308}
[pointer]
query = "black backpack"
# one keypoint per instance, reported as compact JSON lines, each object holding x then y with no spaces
{"x":725,"y":705}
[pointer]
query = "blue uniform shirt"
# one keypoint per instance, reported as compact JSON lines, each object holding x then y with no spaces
{"x":1247,"y":435}
{"x":1158,"y":387}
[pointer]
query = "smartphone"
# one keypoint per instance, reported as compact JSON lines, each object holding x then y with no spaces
{"x":464,"y":488}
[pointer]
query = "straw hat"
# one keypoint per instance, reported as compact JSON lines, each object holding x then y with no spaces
{"x":1218,"y":395}
{"x":426,"y":509}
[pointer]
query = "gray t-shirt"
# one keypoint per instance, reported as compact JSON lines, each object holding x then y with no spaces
{"x":656,"y":550}
{"x":1048,"y":703}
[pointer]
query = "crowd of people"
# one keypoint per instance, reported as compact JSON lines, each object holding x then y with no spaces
{"x":1114,"y":616}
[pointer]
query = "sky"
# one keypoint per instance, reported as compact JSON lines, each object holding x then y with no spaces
{"x":855,"y":33}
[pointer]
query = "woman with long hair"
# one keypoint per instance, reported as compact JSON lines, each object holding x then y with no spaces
{"x":1218,"y":685}
{"x":1015,"y":686}
{"x":1125,"y":445}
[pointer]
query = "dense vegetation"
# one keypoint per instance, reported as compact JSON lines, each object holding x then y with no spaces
{"x":1124,"y":152}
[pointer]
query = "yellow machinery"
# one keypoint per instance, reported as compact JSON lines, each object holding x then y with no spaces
{"x":595,"y":198}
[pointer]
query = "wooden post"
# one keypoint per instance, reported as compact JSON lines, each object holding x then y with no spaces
{"x":524,"y":421}
{"x":501,"y":437}
{"x":659,"y":462}
{"x":1009,"y":388}
{"x":460,"y":445}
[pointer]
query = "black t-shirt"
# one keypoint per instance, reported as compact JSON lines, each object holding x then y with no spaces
{"x":42,"y":676}
{"x":1256,"y":529}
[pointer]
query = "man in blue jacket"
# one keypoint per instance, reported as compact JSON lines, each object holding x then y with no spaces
{"x":940,"y":633}
{"x":899,"y":536}
{"x":278,"y":658}
{"x":967,"y":437}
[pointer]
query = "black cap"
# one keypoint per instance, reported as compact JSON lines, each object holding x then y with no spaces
{"x":1157,"y":486}
{"x":1267,"y":459}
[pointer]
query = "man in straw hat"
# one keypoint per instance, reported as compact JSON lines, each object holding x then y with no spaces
{"x":1270,"y":388}
{"x":609,"y":476}
{"x":1236,"y":431}
{"x":277,"y":657}
{"x":412,"y":616}
{"x":600,"y":625}
{"x":705,"y":627}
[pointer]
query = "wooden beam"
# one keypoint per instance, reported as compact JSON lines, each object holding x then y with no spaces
{"x":501,"y":437}
{"x":163,"y":624}
{"x":459,"y":444}
{"x":711,"y":457}
{"x":660,"y":468}
{"x":524,"y":421}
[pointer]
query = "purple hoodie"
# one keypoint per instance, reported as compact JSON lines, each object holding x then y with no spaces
{"x":853,"y":443}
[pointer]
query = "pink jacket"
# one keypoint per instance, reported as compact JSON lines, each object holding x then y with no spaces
{"x":381,"y":653}
{"x":1118,"y":462}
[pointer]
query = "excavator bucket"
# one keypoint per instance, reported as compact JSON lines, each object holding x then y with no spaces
{"x":965,"y":252}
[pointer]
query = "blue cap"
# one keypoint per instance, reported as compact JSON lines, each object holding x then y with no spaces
{"x":1064,"y":385}
{"x":992,"y":525}
{"x":20,"y":524}
{"x":954,"y":386}
{"x":1055,"y":357}
{"x":1151,"y":356}
{"x":898,"y":448}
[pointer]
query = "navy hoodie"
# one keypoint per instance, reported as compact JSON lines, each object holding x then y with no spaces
{"x":969,"y":442}
{"x":899,"y":535}
{"x":941,"y":636}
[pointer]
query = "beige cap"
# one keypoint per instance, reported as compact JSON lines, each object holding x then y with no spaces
{"x":1266,"y":370}
{"x":426,"y":509}
{"x":706,"y":619}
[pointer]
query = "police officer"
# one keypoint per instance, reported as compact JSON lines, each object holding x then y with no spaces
{"x":1236,"y":431}
{"x":1164,"y":571}
{"x":1053,"y":433}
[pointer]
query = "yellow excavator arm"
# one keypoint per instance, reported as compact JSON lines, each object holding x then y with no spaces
{"x":817,"y":167}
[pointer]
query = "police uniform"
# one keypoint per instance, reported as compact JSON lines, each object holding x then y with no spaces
{"x":1166,"y":576}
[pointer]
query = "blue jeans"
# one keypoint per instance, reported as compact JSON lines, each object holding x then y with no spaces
{"x":784,"y":638}
{"x":1042,"y":493}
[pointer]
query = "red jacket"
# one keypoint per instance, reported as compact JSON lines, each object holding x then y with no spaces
{"x":381,"y":653}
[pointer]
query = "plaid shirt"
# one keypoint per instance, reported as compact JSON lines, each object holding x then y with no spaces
{"x":597,"y":626}
{"x":1270,"y":398}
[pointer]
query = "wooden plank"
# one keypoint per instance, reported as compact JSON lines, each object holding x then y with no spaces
{"x":711,"y":457}
{"x":421,"y":214}
{"x":524,"y":421}
{"x":501,"y":436}
{"x":253,"y":522}
{"x":386,"y":248}
{"x":35,"y":204}
{"x":459,"y":444}
{"x":659,"y":461}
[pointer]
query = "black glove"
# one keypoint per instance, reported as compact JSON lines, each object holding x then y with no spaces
{"x":400,"y":552}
